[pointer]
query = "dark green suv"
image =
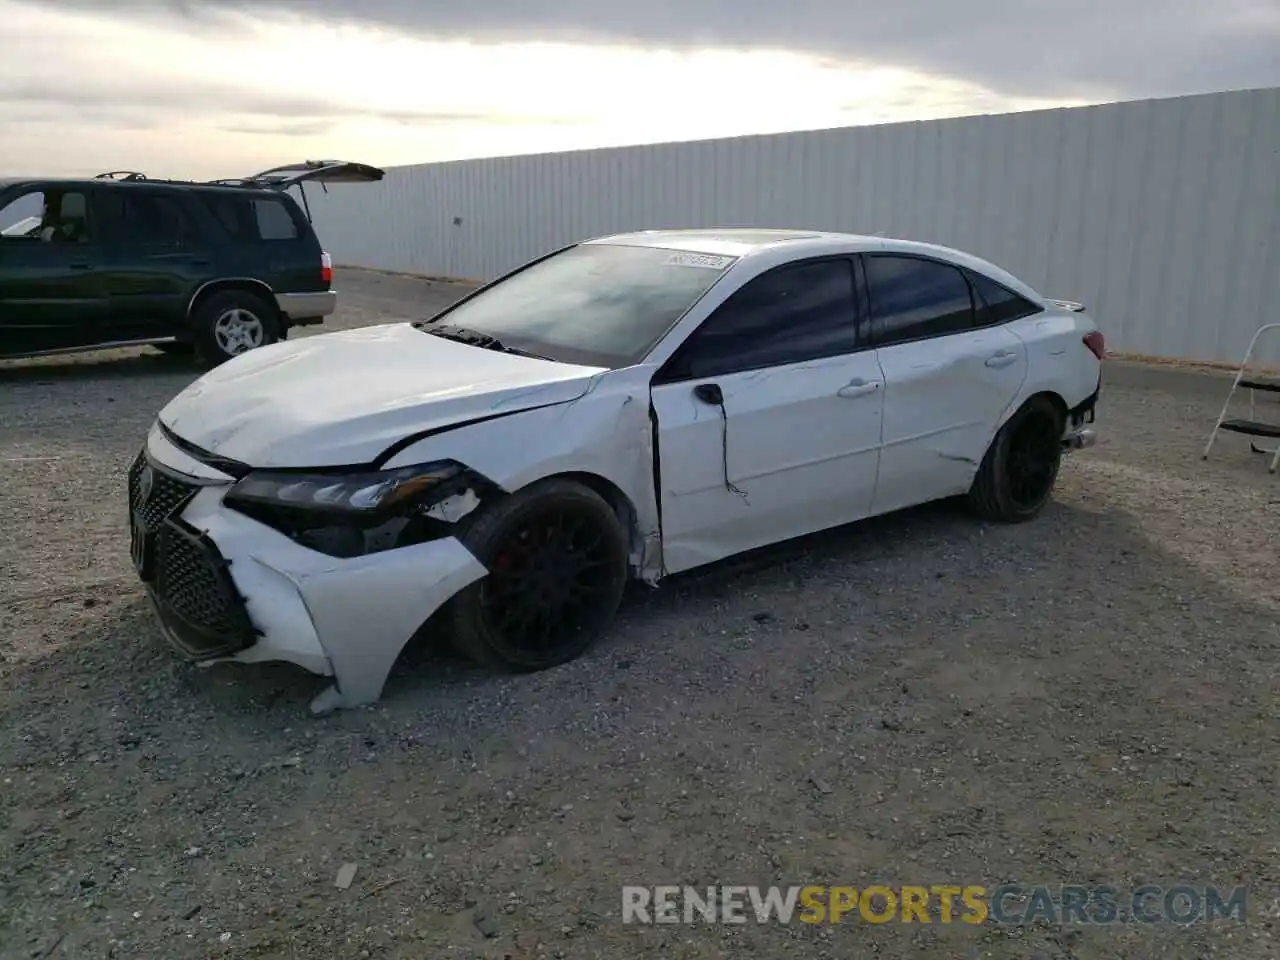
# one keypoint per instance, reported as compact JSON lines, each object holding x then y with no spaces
{"x":123,"y":260}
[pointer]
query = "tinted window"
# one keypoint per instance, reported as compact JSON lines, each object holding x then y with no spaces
{"x":249,"y":219}
{"x":997,"y":304}
{"x":275,"y":222}
{"x":135,"y":216}
{"x":788,"y":315}
{"x":597,"y":303}
{"x":913,"y":298}
{"x":48,"y":216}
{"x":233,"y":214}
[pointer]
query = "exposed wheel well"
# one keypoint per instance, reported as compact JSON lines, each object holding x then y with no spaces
{"x":1058,"y":403}
{"x":621,"y":503}
{"x":245,"y":284}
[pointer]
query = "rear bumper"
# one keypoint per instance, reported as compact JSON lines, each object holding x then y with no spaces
{"x":304,"y":308}
{"x":1077,"y":435}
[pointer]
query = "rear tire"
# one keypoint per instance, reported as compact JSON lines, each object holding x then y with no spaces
{"x":231,"y":323}
{"x":557,"y":560}
{"x":1018,"y":473}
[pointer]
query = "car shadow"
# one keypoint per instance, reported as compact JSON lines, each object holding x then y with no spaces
{"x":132,"y":363}
{"x":940,"y":542}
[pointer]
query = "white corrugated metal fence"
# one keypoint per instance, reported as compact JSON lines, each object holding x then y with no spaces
{"x":1161,"y":215}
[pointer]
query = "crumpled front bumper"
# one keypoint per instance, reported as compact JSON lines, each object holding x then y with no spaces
{"x":345,"y":618}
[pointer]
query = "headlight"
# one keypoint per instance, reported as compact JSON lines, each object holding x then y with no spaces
{"x":360,"y":494}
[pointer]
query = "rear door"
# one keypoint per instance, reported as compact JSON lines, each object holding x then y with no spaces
{"x":157,"y":259}
{"x":51,"y":291}
{"x":267,"y":238}
{"x":768,"y":417}
{"x":950,"y":370}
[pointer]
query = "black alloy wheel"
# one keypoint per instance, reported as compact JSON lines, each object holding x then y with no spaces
{"x":1018,"y":473}
{"x":557,"y":560}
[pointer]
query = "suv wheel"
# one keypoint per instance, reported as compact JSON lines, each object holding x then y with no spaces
{"x":231,"y":323}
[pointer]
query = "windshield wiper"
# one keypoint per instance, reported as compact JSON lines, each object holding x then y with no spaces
{"x":473,"y":338}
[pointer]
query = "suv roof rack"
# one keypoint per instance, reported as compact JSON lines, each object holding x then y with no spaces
{"x":297,"y":175}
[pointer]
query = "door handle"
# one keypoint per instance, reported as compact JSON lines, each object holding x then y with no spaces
{"x":81,"y":265}
{"x":1002,"y":359}
{"x":858,"y":388}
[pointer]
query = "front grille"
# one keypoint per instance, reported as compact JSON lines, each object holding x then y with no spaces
{"x":196,"y":598}
{"x":199,"y":599}
{"x":167,"y":493}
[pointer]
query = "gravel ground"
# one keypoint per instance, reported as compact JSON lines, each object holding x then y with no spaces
{"x":918,"y":699}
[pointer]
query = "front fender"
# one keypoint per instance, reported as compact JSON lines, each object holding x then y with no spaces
{"x":605,"y":433}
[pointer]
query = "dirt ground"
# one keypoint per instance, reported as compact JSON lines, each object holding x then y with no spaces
{"x":921,"y":699}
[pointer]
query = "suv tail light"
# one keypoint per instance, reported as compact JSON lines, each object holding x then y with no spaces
{"x":1097,"y":344}
{"x":326,"y":269}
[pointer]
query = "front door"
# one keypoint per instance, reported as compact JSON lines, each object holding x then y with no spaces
{"x":769,"y":417}
{"x":51,"y":295}
{"x":948,"y":381}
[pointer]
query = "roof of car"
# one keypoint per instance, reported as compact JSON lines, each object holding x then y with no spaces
{"x":6,"y":182}
{"x":742,"y":242}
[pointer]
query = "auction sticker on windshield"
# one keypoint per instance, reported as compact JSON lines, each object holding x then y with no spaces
{"x":705,"y":260}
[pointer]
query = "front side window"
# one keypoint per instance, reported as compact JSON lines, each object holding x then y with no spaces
{"x":912,"y":298}
{"x":798,"y":312}
{"x":597,"y":303}
{"x":46,"y":216}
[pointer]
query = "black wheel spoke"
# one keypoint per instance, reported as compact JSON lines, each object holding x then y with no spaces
{"x":550,"y":581}
{"x":1032,"y":458}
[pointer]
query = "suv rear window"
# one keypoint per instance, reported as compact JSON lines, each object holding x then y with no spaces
{"x":249,"y":219}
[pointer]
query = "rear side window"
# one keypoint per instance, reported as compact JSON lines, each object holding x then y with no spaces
{"x":997,"y":304}
{"x":275,"y":222}
{"x":249,"y":219}
{"x":913,"y":298}
{"x":799,"y":312}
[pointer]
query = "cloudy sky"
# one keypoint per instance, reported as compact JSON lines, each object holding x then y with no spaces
{"x":224,"y":87}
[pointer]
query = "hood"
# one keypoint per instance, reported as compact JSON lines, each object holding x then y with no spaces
{"x":343,"y":398}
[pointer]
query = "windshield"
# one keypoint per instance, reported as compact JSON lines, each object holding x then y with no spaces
{"x":598,"y":304}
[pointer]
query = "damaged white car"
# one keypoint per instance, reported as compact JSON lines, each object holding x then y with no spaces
{"x":633,"y":406}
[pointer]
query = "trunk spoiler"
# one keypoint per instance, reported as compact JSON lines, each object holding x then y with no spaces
{"x":1066,"y":305}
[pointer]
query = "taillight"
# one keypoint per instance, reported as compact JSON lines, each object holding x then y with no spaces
{"x":1097,"y":344}
{"x":326,"y":269}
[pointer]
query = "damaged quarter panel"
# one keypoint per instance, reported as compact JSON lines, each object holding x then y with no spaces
{"x":605,"y":434}
{"x":1057,"y":360}
{"x":943,"y":401}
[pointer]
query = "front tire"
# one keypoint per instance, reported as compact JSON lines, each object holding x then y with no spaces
{"x":231,"y":323}
{"x":1018,"y":473}
{"x":557,"y":560}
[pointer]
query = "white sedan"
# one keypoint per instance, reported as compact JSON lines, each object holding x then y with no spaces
{"x":632,"y":406}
